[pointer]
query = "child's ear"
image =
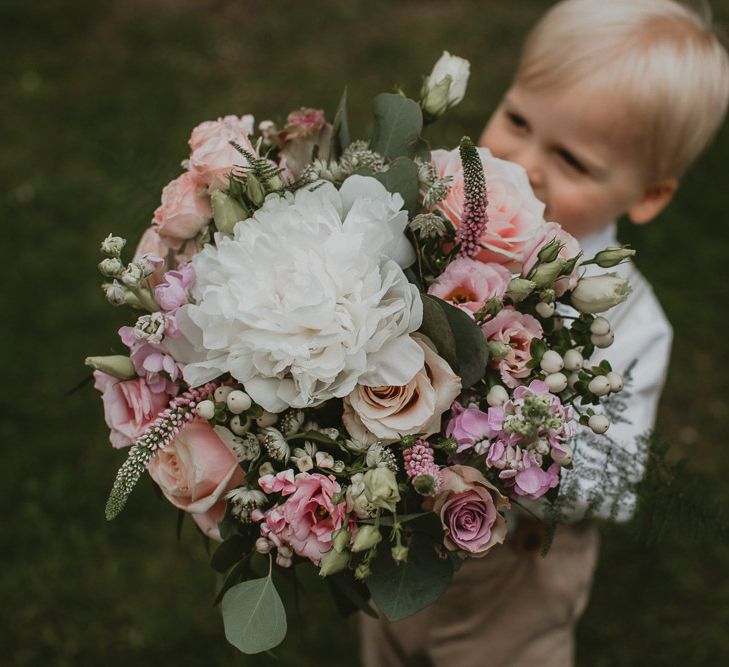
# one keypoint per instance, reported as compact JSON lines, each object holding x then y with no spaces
{"x":654,"y":200}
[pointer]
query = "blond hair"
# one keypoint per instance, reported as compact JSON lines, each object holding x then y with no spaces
{"x":661,"y":62}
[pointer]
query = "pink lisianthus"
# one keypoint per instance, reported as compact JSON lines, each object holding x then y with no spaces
{"x":470,"y":427}
{"x":467,"y":504}
{"x":569,"y":249}
{"x":152,"y":362}
{"x":213,"y":157}
{"x":469,"y":284}
{"x":308,"y":518}
{"x":517,"y":330}
{"x":282,"y":482}
{"x":172,"y":292}
{"x":129,"y":407}
{"x":184,"y":211}
{"x":195,"y":471}
{"x":515,"y":215}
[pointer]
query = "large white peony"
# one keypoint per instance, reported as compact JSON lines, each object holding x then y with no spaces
{"x":308,"y":298}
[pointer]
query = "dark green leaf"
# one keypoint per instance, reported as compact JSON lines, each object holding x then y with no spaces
{"x":398,"y":123}
{"x":350,"y":595}
{"x":234,"y":576}
{"x":402,"y":177}
{"x":228,"y":553}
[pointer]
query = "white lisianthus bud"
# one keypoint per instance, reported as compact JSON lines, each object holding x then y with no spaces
{"x":238,"y":401}
{"x":116,"y":365}
{"x":545,"y":310}
{"x":600,"y":326}
{"x":498,"y":350}
{"x":596,"y":294}
{"x":366,"y":538}
{"x":227,"y":211}
{"x":115,"y":293}
{"x":132,"y":275}
{"x":113,"y":245}
{"x":263,"y":546}
{"x":205,"y":409}
{"x":573,"y":360}
{"x":340,"y":539}
{"x":497,"y":396}
{"x":599,"y":424}
{"x":363,"y":571}
{"x":551,"y":362}
{"x":562,"y":458}
{"x":599,"y":385}
{"x":399,"y":553}
{"x":572,"y":380}
{"x":332,"y":562}
{"x":519,"y":289}
{"x":380,"y":487}
{"x":324,"y":460}
{"x":610,"y":257}
{"x":267,"y":419}
{"x":446,"y":85}
{"x":240,"y":426}
{"x":254,"y":190}
{"x":221,"y":393}
{"x":556,"y":382}
{"x":111,"y":267}
{"x":615,"y":380}
{"x":603,"y":341}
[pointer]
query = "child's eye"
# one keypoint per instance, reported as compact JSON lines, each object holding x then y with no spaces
{"x":571,"y":161}
{"x":516,"y":120}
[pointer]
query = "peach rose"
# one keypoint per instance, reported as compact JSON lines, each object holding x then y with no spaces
{"x":387,"y":413}
{"x":184,"y":211}
{"x":569,"y":250}
{"x":195,"y":471}
{"x":152,"y":243}
{"x":468,"y":505}
{"x":515,"y":215}
{"x":129,"y":407}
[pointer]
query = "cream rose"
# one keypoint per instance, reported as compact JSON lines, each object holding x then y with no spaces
{"x":389,"y":412}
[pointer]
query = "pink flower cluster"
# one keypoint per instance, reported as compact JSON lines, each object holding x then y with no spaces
{"x":420,"y":463}
{"x":153,"y":362}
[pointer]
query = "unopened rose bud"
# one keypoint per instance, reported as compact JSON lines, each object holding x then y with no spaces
{"x":366,"y":538}
{"x":573,"y":360}
{"x":116,"y":365}
{"x":399,"y":553}
{"x":362,"y":572}
{"x":240,"y":426}
{"x":111,"y":267}
{"x":551,"y":362}
{"x":238,"y":401}
{"x":254,"y":190}
{"x":519,"y":289}
{"x":498,"y":350}
{"x":113,"y":245}
{"x":544,"y":275}
{"x":332,"y":562}
{"x":446,"y":85}
{"x":562,"y":458}
{"x":497,"y":396}
{"x":600,"y":326}
{"x":615,"y":380}
{"x":603,"y":341}
{"x":599,"y":385}
{"x":227,"y":211}
{"x":596,"y":294}
{"x":549,"y":251}
{"x":610,"y":257}
{"x":545,"y":310}
{"x":599,"y":424}
{"x":205,"y":409}
{"x":556,"y":382}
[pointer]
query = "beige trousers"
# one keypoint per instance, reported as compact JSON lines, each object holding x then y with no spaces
{"x":512,"y":608}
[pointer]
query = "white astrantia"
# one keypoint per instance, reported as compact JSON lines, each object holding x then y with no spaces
{"x":308,"y":298}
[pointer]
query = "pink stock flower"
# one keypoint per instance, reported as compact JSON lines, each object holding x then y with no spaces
{"x":470,"y":427}
{"x":308,"y":518}
{"x":515,"y":215}
{"x":184,"y":211}
{"x":469,"y":284}
{"x":153,"y":362}
{"x":468,"y":505}
{"x":213,"y":157}
{"x":569,"y":250}
{"x":195,"y":471}
{"x":129,"y":407}
{"x":172,"y":292}
{"x":517,"y":330}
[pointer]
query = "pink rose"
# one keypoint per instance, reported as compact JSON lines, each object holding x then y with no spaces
{"x":184,"y":211}
{"x":195,"y":471}
{"x":213,"y":156}
{"x":308,"y":518}
{"x":129,"y":407}
{"x":468,"y":507}
{"x":569,"y":250}
{"x":415,"y":408}
{"x":303,"y":123}
{"x":515,"y":214}
{"x":469,"y":284}
{"x":516,"y":330}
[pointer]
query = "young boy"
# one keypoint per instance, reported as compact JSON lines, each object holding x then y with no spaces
{"x":612,"y":101}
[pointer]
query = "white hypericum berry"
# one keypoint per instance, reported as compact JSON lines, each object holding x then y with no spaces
{"x":238,"y":401}
{"x":556,"y":382}
{"x":615,"y":380}
{"x":572,"y":380}
{"x":267,"y":419}
{"x":599,"y":424}
{"x":599,"y":385}
{"x":600,"y":326}
{"x":497,"y":396}
{"x":573,"y":360}
{"x":603,"y":341}
{"x":551,"y":362}
{"x":240,"y":426}
{"x":562,"y":458}
{"x":544,"y":309}
{"x":221,"y":393}
{"x":205,"y":409}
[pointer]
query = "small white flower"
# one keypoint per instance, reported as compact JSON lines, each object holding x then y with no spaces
{"x":132,"y":275}
{"x":324,"y":460}
{"x":113,"y":245}
{"x":151,"y":328}
{"x":114,"y":292}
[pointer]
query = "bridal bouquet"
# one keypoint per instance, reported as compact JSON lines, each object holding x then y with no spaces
{"x":352,"y":354}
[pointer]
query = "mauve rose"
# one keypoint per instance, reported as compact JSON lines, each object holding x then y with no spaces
{"x":516,"y":330}
{"x":389,"y":412}
{"x":469,"y":284}
{"x":129,"y":407}
{"x":213,"y":157}
{"x":515,"y":215}
{"x":184,"y":211}
{"x":570,"y":249}
{"x":468,"y":505}
{"x":195,"y":471}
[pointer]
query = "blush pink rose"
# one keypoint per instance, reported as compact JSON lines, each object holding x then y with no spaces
{"x":152,"y":244}
{"x":129,"y":407}
{"x":195,"y":471}
{"x":308,"y":518}
{"x":213,"y":157}
{"x":468,"y":506}
{"x":569,"y":250}
{"x":517,"y":330}
{"x":469,"y":284}
{"x":184,"y":211}
{"x":389,"y":412}
{"x":515,"y":214}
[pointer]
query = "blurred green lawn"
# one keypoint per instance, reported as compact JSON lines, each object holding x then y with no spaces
{"x":98,"y":99}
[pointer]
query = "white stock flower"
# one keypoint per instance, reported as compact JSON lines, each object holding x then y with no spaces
{"x":308,"y":298}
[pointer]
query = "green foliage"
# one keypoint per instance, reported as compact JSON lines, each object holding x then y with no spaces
{"x":398,"y":124}
{"x":340,"y":129}
{"x":402,"y":177}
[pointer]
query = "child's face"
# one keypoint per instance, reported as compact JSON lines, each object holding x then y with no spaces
{"x":574,"y":151}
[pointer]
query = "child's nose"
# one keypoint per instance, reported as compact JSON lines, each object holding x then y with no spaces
{"x":529,"y":157}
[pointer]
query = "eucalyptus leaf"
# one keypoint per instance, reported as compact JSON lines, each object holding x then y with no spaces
{"x":402,"y":177}
{"x":436,"y":327}
{"x":340,"y":129}
{"x":254,"y":616}
{"x":228,"y":553}
{"x":398,"y":123}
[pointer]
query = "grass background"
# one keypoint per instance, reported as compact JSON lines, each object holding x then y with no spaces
{"x":98,"y":99}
